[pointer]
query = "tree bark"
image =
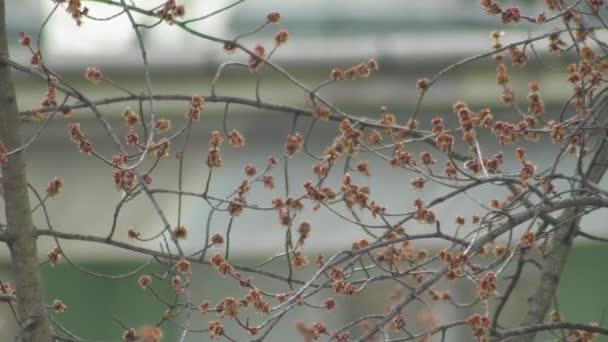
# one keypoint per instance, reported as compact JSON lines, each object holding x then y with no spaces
{"x":31,"y":313}
{"x":558,"y":251}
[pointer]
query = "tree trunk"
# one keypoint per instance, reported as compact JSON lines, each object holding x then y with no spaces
{"x":31,"y":313}
{"x":559,"y":250}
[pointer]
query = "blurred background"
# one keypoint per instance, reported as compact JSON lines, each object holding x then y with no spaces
{"x":410,"y":40}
